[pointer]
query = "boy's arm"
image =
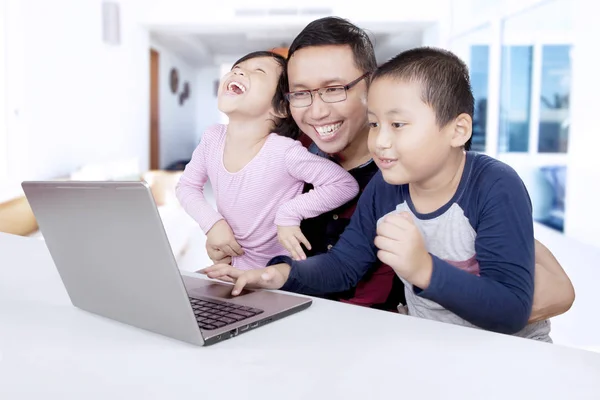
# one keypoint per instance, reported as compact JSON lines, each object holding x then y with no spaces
{"x":190,"y":188}
{"x":346,"y":263}
{"x":500,"y":298}
{"x":333,"y":186}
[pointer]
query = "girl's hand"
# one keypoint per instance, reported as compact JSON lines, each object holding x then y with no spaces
{"x":290,"y":237}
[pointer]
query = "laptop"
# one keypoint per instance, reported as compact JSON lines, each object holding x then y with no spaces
{"x":114,"y":258}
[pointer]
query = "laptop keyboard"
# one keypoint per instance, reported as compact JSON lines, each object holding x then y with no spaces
{"x":213,"y":314}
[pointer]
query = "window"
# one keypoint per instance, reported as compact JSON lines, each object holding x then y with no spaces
{"x":473,"y":47}
{"x":479,"y":71}
{"x":533,"y":123}
{"x":515,"y":99}
{"x":554,"y":102}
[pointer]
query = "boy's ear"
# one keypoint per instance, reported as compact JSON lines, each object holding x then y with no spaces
{"x":463,"y":129}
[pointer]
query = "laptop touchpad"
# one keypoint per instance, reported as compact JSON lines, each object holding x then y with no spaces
{"x":217,"y":290}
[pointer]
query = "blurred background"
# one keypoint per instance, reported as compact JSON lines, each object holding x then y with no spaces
{"x":123,"y":89}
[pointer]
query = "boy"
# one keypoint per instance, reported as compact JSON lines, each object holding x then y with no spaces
{"x":455,"y":226}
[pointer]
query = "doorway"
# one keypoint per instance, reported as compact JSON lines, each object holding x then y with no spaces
{"x":154,"y":111}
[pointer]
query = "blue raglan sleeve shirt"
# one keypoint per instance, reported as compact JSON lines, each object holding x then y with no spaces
{"x":496,"y":205}
{"x":501,"y":297}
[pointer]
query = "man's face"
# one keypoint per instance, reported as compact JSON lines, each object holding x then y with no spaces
{"x":332,"y":126}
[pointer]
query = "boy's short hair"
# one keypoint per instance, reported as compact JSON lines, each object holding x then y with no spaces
{"x":337,"y":31}
{"x":444,"y":78}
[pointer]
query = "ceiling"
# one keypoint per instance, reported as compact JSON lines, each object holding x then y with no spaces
{"x":201,"y":48}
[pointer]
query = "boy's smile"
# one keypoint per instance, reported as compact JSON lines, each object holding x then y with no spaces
{"x":404,"y":138}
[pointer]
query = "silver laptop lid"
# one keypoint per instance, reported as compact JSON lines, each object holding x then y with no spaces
{"x":112,"y":253}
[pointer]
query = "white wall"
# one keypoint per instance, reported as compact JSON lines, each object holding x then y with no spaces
{"x":3,"y":149}
{"x":583,"y":173}
{"x":193,"y":13}
{"x":72,"y":99}
{"x":177,"y":123}
{"x":468,"y":15}
{"x":206,"y":105}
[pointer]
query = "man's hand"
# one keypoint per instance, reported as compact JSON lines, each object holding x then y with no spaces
{"x":401,"y":246}
{"x":273,"y":277}
{"x":290,"y":237}
{"x":554,"y":293}
{"x":220,"y":237}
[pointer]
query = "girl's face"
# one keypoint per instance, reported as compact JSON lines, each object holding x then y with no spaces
{"x":249,"y":87}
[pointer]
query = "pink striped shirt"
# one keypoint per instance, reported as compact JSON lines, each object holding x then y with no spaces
{"x":265,"y":193}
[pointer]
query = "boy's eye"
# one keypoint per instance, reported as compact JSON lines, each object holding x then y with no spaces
{"x":398,"y":124}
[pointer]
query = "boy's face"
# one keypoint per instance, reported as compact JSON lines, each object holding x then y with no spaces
{"x":249,"y":87}
{"x":332,"y":126}
{"x":404,"y":138}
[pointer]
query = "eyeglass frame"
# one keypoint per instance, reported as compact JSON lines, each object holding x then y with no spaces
{"x":346,"y":87}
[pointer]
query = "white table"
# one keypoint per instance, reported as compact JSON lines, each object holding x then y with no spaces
{"x":51,"y":350}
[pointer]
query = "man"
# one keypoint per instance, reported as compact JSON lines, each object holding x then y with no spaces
{"x":329,"y":63}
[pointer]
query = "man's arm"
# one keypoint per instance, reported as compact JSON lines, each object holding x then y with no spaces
{"x":554,"y":293}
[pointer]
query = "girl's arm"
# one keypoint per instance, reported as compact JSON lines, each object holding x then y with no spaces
{"x":333,"y":186}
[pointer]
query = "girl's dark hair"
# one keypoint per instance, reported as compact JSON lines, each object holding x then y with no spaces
{"x":282,"y":126}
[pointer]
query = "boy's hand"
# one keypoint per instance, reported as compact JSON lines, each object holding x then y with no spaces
{"x":290,"y":237}
{"x":401,"y":247}
{"x":220,"y":237}
{"x":273,"y":277}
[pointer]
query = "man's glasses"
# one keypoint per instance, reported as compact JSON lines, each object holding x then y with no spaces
{"x":329,"y":94}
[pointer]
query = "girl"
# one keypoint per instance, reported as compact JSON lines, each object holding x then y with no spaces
{"x":257,"y":170}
